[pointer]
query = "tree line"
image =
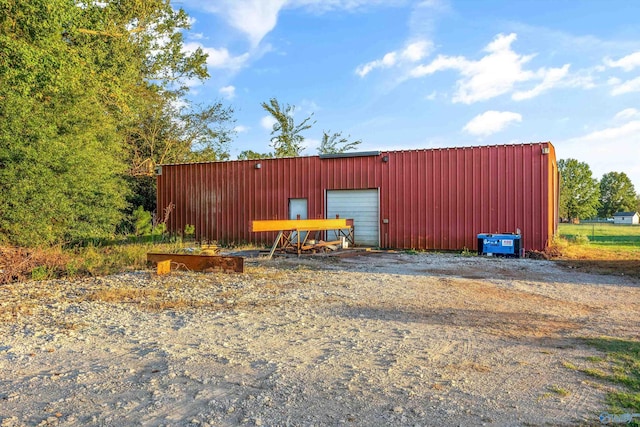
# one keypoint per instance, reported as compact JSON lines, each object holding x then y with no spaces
{"x":92,"y":96}
{"x":582,"y":196}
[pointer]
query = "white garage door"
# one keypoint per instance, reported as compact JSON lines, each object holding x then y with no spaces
{"x":363,"y":207}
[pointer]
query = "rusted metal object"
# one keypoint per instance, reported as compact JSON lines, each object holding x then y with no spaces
{"x":206,"y":263}
{"x":319,"y":245}
{"x":294,"y":233}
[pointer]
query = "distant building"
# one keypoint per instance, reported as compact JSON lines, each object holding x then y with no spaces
{"x":626,"y":218}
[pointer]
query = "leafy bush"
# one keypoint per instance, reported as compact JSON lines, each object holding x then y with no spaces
{"x":41,"y":272}
{"x":142,"y":222}
{"x":467,"y":252}
{"x":581,"y":239}
{"x":159,"y":229}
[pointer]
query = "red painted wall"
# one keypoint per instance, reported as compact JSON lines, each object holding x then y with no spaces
{"x":433,"y":199}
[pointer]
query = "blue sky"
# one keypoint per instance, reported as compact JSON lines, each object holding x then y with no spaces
{"x":401,"y":74}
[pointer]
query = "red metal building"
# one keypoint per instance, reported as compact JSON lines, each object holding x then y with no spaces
{"x":413,"y":199}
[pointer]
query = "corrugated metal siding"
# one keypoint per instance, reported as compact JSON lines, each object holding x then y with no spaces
{"x":432,"y":199}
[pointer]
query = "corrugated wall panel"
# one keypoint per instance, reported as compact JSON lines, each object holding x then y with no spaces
{"x":429,"y":199}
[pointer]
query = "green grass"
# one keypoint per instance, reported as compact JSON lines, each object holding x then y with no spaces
{"x":561,"y":391}
{"x":620,"y":366}
{"x":603,"y":233}
{"x":601,"y":241}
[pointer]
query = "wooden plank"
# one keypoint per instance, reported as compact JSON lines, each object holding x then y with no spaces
{"x":275,"y":244}
{"x":322,"y":244}
{"x":207,"y":263}
{"x":298,"y":225}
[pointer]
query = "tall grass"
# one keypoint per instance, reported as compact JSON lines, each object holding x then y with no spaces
{"x":19,"y":264}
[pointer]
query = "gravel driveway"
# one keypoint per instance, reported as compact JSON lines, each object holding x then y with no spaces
{"x":376,"y":339}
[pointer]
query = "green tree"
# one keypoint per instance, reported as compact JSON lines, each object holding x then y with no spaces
{"x":207,"y":132}
{"x":72,"y":76}
{"x":335,"y":143}
{"x":59,"y":152}
{"x":169,"y":132}
{"x":616,"y":194}
{"x":252,"y":155}
{"x":286,"y":138}
{"x":579,"y":192}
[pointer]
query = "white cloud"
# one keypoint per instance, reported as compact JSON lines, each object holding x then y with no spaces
{"x":228,"y":92}
{"x":627,"y":114}
{"x":497,"y":73}
{"x":323,"y":6}
{"x":412,"y":52}
{"x":241,"y":129}
{"x":306,"y":107}
{"x":257,"y":18}
{"x":550,"y":79}
{"x":615,"y":148}
{"x":267,"y":122}
{"x":491,"y":122}
{"x":387,"y":61}
{"x":311,"y":146}
{"x":581,"y":79}
{"x":620,"y":87}
{"x":218,"y":58}
{"x":417,"y":50}
{"x":254,"y":18}
{"x":628,"y":130}
{"x":627,"y":63}
{"x":441,"y":63}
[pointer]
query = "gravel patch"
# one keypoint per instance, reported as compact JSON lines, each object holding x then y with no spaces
{"x":376,"y":339}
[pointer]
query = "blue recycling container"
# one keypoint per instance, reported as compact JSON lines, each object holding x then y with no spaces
{"x":507,"y":245}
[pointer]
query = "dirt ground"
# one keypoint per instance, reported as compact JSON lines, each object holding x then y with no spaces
{"x":376,"y":339}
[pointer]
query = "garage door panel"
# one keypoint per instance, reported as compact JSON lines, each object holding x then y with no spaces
{"x":360,"y":205}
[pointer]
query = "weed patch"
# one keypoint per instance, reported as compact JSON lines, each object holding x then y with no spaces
{"x":619,"y":366}
{"x":42,"y":272}
{"x":20,"y":264}
{"x":560,"y":391}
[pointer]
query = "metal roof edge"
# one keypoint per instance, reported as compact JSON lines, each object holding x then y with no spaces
{"x":352,"y":154}
{"x":365,"y":153}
